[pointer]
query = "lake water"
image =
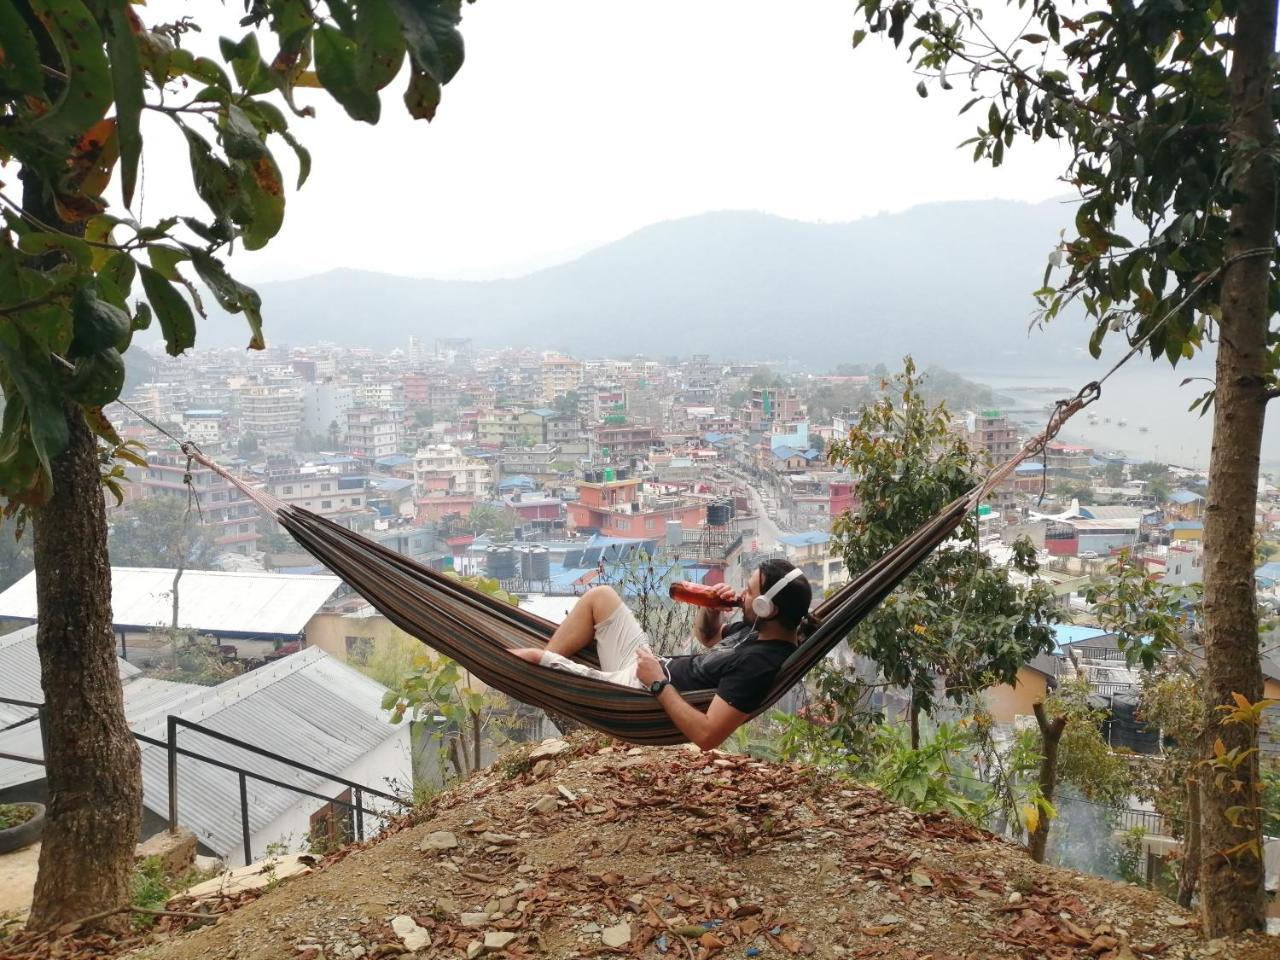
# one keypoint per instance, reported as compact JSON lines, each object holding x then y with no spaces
{"x":1148,"y":396}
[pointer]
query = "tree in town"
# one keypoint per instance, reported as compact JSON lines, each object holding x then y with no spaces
{"x":1168,"y":114}
{"x":958,"y":620}
{"x":160,"y":531}
{"x":1070,"y":489}
{"x":1069,"y":741}
{"x":76,"y":81}
{"x":1113,"y":473}
{"x":457,"y":712}
{"x":496,"y":521}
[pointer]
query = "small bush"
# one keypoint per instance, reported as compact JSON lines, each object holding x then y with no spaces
{"x":15,"y":814}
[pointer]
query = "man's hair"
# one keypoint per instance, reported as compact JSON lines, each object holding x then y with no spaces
{"x":792,"y":600}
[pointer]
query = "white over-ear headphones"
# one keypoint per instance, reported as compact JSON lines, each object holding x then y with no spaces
{"x":763,"y":605}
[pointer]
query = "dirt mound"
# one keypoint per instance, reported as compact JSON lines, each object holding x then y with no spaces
{"x":653,"y":852}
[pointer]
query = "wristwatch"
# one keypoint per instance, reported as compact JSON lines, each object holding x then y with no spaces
{"x":658,"y":686}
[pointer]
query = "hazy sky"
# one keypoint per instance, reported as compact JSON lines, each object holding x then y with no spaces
{"x":575,"y":122}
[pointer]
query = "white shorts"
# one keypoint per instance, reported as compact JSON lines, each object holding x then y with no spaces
{"x":619,"y":638}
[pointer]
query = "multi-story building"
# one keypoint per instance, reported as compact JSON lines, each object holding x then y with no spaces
{"x":560,"y":375}
{"x":811,"y":552}
{"x":381,"y":392}
{"x":625,"y":440}
{"x":342,"y":497}
{"x":417,"y":390}
{"x":231,"y":516}
{"x":535,"y":462}
{"x":514,"y":428}
{"x":616,"y":504}
{"x":272,"y":413}
{"x":325,"y":405}
{"x":209,"y":429}
{"x":770,"y":405}
{"x":443,"y":469}
{"x":992,"y":432}
{"x":374,"y":432}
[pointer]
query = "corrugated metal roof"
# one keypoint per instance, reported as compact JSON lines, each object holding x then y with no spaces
{"x":20,"y":673}
{"x":144,"y":699}
{"x":308,"y":707}
{"x":256,"y":604}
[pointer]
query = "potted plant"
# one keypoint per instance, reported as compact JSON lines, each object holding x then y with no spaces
{"x":20,"y":825}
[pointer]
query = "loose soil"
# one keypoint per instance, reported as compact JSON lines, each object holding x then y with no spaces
{"x":667,"y":852}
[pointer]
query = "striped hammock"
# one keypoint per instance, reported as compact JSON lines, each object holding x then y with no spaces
{"x":479,"y":631}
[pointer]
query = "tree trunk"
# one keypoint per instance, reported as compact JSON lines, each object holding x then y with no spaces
{"x":1051,"y":735}
{"x":1190,"y":846}
{"x":1231,"y":887}
{"x":914,"y":718}
{"x":93,"y":768}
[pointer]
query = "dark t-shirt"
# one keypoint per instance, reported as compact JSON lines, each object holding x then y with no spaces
{"x":741,"y":668}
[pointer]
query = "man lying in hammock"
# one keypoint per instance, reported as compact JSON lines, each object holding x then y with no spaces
{"x":742,"y":661}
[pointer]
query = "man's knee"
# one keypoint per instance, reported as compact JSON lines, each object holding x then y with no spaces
{"x":603,"y":599}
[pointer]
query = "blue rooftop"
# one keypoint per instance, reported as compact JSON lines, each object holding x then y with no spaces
{"x":393,"y":460}
{"x":1066,"y":633}
{"x":544,"y":412}
{"x":519,"y":482}
{"x":806,"y":539}
{"x":1184,"y":497}
{"x":1185,"y":525}
{"x":1268,"y":571}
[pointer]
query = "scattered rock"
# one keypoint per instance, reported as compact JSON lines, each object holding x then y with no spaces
{"x":498,"y":939}
{"x":439,"y":840}
{"x":619,"y":935}
{"x":413,"y":936}
{"x":547,"y":749}
{"x":547,"y":803}
{"x":474,"y":949}
{"x":475,"y":919}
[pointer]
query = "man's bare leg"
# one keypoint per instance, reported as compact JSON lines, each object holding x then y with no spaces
{"x":579,"y":628}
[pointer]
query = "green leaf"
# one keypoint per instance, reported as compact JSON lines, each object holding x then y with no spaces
{"x":19,"y":54}
{"x":232,"y":295}
{"x":201,"y":68}
{"x":246,"y":61}
{"x":303,"y":155}
{"x":177,"y":322}
{"x":15,"y":417}
{"x":431,"y":31}
{"x":86,"y":95}
{"x":336,"y":66}
{"x":98,"y":324}
{"x":264,"y":190}
{"x":379,"y":43}
{"x":240,"y":136}
{"x":127,"y":84}
{"x":423,"y":96}
{"x":115,"y":279}
{"x":165,"y":260}
{"x":31,"y":371}
{"x":858,"y":37}
{"x":38,"y":243}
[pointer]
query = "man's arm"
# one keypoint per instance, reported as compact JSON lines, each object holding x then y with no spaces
{"x":708,"y":626}
{"x":707,"y":730}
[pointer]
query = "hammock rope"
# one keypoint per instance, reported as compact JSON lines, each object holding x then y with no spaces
{"x":479,"y":630}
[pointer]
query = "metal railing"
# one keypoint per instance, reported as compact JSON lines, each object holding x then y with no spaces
{"x":359,"y":791}
{"x":1151,"y":823}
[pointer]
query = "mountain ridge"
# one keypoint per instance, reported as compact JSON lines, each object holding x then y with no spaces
{"x":949,"y":282}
